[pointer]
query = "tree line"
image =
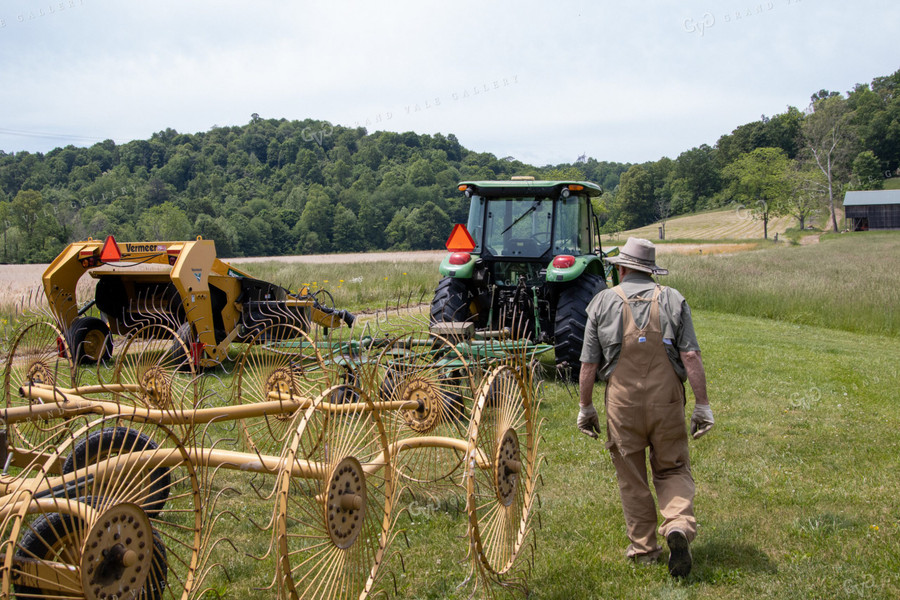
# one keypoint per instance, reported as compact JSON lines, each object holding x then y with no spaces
{"x":274,"y":186}
{"x":797,"y":163}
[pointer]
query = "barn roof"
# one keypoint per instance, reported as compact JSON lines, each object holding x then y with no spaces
{"x":872,"y":197}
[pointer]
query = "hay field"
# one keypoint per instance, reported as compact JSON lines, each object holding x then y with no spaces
{"x":729,"y":224}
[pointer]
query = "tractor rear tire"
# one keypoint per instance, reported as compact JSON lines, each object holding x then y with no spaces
{"x":451,"y":301}
{"x":571,"y":319}
{"x":90,"y":340}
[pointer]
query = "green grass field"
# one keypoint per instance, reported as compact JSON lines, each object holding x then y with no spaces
{"x":797,"y":485}
{"x":847,"y":281}
{"x":356,"y":286}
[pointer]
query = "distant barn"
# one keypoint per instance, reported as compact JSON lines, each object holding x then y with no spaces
{"x":877,"y":209}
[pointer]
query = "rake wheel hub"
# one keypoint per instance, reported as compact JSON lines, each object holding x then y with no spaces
{"x":39,"y":373}
{"x":507,"y":467}
{"x":345,"y":503}
{"x":282,"y":381}
{"x":118,"y":554}
{"x":425,"y":417}
{"x":156,"y":387}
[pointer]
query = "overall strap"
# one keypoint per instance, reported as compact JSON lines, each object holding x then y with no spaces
{"x":628,"y":320}
{"x":654,"y":309}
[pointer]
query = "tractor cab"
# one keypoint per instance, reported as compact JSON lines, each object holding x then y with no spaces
{"x":520,"y":229}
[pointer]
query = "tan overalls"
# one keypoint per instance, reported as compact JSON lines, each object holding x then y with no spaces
{"x":645,"y":407}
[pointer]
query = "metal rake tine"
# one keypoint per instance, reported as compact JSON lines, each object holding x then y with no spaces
{"x":260,"y":528}
{"x":256,"y":490}
{"x":226,"y":541}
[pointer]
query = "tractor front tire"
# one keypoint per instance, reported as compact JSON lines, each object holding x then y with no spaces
{"x":90,"y":341}
{"x":451,"y":301}
{"x":571,"y":319}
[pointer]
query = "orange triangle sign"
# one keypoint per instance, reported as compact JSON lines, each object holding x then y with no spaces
{"x":460,"y":240}
{"x":110,"y":251}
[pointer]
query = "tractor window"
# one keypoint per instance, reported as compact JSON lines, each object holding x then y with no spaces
{"x":518,"y":226}
{"x":475,"y":224}
{"x":573,"y":226}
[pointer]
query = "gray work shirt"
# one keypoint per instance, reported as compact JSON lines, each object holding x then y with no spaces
{"x":603,"y":333}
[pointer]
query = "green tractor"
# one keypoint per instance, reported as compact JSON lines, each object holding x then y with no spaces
{"x":530,"y":265}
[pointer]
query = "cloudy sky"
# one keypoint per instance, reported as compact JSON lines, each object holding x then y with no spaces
{"x":544,"y":82}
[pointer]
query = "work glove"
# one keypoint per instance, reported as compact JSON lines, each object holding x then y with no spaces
{"x":588,"y":421}
{"x":701,"y":421}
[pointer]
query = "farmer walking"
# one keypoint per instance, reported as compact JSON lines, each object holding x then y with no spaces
{"x":640,"y":339}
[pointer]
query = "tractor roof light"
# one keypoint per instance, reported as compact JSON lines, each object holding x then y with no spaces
{"x":564,"y":261}
{"x":576,"y":188}
{"x":460,"y":258}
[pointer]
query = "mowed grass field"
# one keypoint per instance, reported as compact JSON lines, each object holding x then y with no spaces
{"x":798,"y":485}
{"x":735,"y":223}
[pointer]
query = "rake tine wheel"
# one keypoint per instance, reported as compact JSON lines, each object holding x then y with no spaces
{"x":500,"y":468}
{"x":18,"y":481}
{"x":428,"y":369}
{"x":156,"y":360}
{"x":38,"y":355}
{"x":284,"y":361}
{"x":333,"y":527}
{"x":123,"y":522}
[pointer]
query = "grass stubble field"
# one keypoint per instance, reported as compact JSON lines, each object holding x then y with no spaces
{"x":797,"y":485}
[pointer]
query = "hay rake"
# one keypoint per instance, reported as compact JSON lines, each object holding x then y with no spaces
{"x":338,"y":425}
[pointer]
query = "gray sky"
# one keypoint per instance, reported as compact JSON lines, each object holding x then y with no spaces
{"x":544,"y":82}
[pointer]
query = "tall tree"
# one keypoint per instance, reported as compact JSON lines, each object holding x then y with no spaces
{"x":828,"y":138}
{"x":26,"y":211}
{"x":316,"y":221}
{"x":427,"y":227}
{"x":759,"y":180}
{"x":635,"y":197}
{"x":4,"y":222}
{"x":698,"y":176}
{"x":867,"y":173}
{"x":808,"y":188}
{"x":345,"y":230}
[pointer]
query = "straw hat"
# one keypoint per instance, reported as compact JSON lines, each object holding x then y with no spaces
{"x":640,"y":255}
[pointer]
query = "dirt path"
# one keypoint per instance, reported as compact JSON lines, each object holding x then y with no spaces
{"x":418,"y":256}
{"x":807,"y":240}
